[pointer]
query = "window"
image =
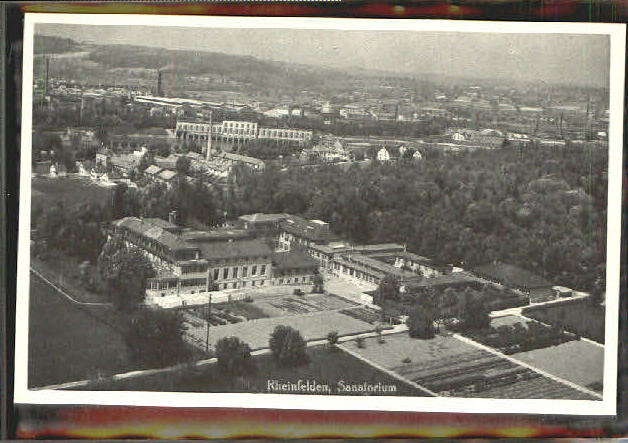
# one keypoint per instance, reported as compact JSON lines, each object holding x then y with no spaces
{"x":263,"y":270}
{"x":254,"y":270}
{"x":253,"y":283}
{"x":225,"y":273}
{"x":216,"y":274}
{"x":244,"y":271}
{"x":235,"y":272}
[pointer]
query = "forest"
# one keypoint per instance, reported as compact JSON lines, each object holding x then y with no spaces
{"x":543,"y":210}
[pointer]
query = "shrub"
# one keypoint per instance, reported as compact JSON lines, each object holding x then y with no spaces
{"x":332,"y":338}
{"x":287,"y":346}
{"x":234,"y":356}
{"x":420,"y":324}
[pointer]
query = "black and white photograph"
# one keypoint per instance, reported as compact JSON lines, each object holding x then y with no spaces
{"x":412,"y":215}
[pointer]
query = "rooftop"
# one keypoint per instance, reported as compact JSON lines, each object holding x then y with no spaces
{"x":234,"y":249}
{"x":444,"y":280}
{"x":261,"y":218}
{"x":313,"y":231}
{"x":153,"y":231}
{"x":511,"y":275}
{"x":152,"y":170}
{"x":167,"y":175}
{"x":214,"y":235}
{"x":377,"y":265}
{"x":293,"y":260}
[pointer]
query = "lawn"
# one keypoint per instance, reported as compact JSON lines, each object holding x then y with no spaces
{"x":244,"y":309}
{"x":326,"y":366}
{"x":398,"y":347}
{"x":255,"y":333}
{"x":69,"y":343}
{"x":70,"y":190}
{"x":451,"y":367}
{"x":578,"y":317}
{"x":64,"y":271}
{"x":576,"y":361}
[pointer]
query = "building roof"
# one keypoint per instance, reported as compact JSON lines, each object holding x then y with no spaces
{"x":164,"y":224}
{"x":214,"y":235}
{"x":125,"y":161}
{"x":293,"y":260}
{"x":263,"y":218}
{"x":511,"y":275}
{"x":313,"y":230}
{"x":359,"y":267}
{"x":152,"y":170}
{"x":455,"y":278}
{"x":242,"y":158}
{"x":153,"y":231}
{"x":371,"y":263}
{"x":234,"y":249}
{"x":167,"y":175}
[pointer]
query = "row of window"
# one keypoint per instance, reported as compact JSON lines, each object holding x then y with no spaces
{"x":223,"y":273}
{"x":282,"y":133}
{"x":239,"y":125}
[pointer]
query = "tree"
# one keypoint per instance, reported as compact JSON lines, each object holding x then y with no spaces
{"x":125,"y":273}
{"x":318,"y":282}
{"x":597,"y":293}
{"x":332,"y":338}
{"x":147,"y":159}
{"x":233,"y":356}
{"x":287,"y":346}
{"x":420,"y":324}
{"x":155,"y":337}
{"x":473,"y":310}
{"x":388,"y":289}
{"x":183,"y":165}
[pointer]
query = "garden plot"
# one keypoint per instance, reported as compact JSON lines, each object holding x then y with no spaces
{"x":450,"y":367}
{"x":515,"y":335}
{"x":256,"y":333}
{"x":298,"y":305}
{"x":579,"y":362}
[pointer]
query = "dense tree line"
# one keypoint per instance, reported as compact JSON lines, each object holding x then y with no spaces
{"x":543,"y":210}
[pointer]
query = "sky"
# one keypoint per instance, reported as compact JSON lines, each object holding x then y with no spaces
{"x":568,"y":59}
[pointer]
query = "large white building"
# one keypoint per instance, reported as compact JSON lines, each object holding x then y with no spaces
{"x":232,"y":130}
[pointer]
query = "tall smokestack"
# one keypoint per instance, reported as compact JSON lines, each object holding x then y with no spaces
{"x":160,"y":92}
{"x":46,"y":85}
{"x":208,"y":152}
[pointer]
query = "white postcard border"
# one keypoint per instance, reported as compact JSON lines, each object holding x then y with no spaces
{"x":607,"y":406}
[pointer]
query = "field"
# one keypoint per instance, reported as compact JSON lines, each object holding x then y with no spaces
{"x":521,"y":335}
{"x":296,"y":305}
{"x":69,"y":190}
{"x":256,"y":333}
{"x":67,"y":342}
{"x":576,"y":361}
{"x":578,"y":317}
{"x":450,"y":367}
{"x":326,"y":366}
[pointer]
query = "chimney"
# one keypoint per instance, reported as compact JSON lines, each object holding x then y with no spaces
{"x":172,"y":217}
{"x":208,"y":148}
{"x":47,"y":80}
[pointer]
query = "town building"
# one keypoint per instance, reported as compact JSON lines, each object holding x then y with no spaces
{"x":293,"y":268}
{"x":189,"y":263}
{"x":301,"y":233}
{"x":238,"y":131}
